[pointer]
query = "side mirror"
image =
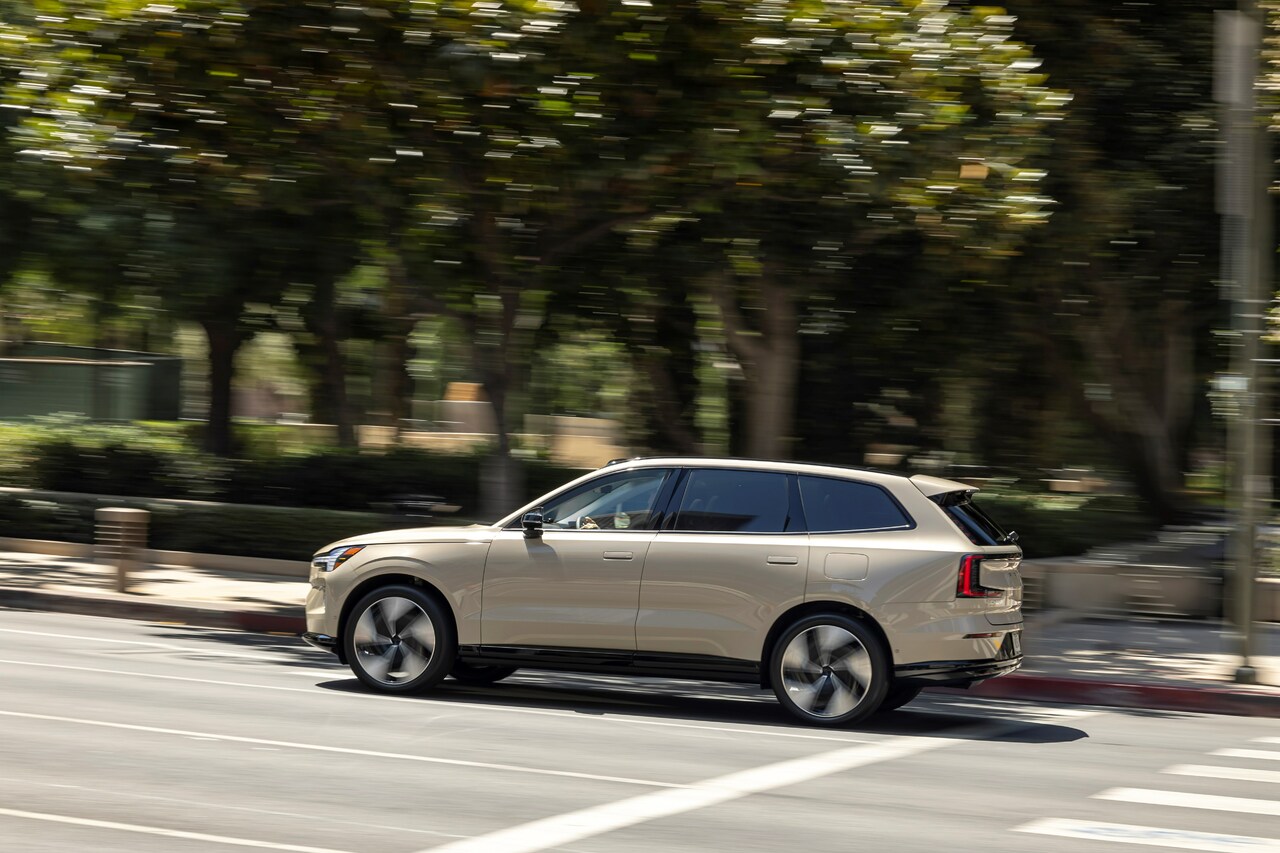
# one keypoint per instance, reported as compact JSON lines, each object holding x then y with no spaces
{"x":532,"y":524}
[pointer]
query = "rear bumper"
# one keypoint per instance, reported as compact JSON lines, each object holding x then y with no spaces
{"x":959,"y":673}
{"x":964,"y":673}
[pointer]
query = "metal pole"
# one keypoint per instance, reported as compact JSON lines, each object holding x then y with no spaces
{"x":1246,"y":279}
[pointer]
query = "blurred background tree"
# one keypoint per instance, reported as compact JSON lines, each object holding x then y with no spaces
{"x":910,"y":231}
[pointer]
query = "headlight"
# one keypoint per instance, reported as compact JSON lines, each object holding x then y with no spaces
{"x":329,"y":561}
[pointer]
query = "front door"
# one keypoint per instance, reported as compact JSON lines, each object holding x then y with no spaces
{"x":578,"y":585}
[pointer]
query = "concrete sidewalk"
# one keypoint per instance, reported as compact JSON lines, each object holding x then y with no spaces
{"x":1140,"y":663}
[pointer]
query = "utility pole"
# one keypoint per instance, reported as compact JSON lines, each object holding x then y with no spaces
{"x":1243,"y":178}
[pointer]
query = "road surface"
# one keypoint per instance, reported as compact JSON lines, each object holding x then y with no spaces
{"x":128,"y":736}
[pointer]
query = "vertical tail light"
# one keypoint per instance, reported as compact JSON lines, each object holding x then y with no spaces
{"x":967,"y":585}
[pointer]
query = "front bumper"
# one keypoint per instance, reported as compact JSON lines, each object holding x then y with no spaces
{"x":321,"y":641}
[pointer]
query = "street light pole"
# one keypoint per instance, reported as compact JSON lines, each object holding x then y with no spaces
{"x":1243,"y":201}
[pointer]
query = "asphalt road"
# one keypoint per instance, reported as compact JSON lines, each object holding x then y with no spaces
{"x":127,"y":736}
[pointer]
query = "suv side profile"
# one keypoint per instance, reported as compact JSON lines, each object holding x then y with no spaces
{"x":843,"y":590}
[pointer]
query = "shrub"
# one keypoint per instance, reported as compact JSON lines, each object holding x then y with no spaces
{"x":160,"y":460}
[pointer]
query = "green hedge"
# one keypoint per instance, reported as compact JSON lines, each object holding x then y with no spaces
{"x":160,"y":460}
{"x":1053,"y":525}
{"x":283,"y":533}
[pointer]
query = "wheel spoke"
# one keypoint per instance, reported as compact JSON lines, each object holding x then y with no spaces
{"x":421,"y":633}
{"x":366,"y":631}
{"x":858,"y":667}
{"x":378,"y":664}
{"x":830,"y":640}
{"x":805,"y":695}
{"x":796,"y":660}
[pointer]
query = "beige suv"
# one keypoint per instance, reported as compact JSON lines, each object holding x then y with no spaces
{"x":843,"y":590}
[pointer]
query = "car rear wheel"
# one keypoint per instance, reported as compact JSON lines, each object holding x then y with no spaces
{"x":829,"y":670}
{"x":398,"y":639}
{"x":470,"y":673}
{"x":898,"y":695}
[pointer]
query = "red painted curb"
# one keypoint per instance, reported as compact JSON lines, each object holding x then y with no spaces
{"x":1077,"y":691}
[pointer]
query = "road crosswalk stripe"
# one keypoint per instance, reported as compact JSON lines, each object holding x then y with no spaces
{"x":1243,"y":774}
{"x":1154,"y":836}
{"x":566,"y":829}
{"x":1180,"y":799}
{"x":1261,"y":754}
{"x":1266,"y":740}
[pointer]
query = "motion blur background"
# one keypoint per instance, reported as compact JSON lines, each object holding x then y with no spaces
{"x":364,"y":259}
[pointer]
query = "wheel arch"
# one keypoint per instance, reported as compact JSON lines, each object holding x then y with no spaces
{"x":813,"y":608}
{"x":378,"y":581}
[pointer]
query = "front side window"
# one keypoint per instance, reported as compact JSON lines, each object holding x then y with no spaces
{"x":623,"y":501}
{"x":719,"y":500}
{"x":832,"y":505}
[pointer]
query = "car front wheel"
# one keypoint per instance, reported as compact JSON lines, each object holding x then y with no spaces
{"x":400,"y":640}
{"x":829,"y":670}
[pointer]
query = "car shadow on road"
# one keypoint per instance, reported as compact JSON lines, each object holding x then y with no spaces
{"x":670,"y":702}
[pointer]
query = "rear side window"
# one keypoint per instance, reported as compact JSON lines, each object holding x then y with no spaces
{"x":972,"y":521}
{"x":832,"y":505}
{"x":735,"y":502}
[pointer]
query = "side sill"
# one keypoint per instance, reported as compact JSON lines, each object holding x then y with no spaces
{"x":615,"y":662}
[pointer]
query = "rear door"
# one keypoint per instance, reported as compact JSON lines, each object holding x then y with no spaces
{"x":731,"y":556}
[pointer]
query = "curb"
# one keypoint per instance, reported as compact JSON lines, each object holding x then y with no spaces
{"x":278,"y":621}
{"x":1151,"y":697}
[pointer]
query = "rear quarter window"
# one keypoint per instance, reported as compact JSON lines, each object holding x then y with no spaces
{"x":832,"y":505}
{"x":980,"y":528}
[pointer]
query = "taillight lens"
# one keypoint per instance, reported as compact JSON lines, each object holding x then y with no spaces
{"x":967,"y":585}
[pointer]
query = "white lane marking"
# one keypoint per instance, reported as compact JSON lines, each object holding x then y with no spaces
{"x":1190,"y":801}
{"x":1153,"y":836}
{"x":311,"y":817}
{"x":565,"y":829}
{"x":1243,"y":774}
{"x":169,"y":833}
{"x":469,"y":707}
{"x":1266,"y":740}
{"x":1260,"y":754}
{"x":456,"y":762}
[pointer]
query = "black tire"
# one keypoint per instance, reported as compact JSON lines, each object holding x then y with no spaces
{"x":470,"y":673}
{"x":829,"y":670}
{"x":398,"y":639}
{"x":898,"y":695}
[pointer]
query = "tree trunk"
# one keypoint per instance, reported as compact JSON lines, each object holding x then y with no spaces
{"x":224,"y":341}
{"x":400,"y":325}
{"x":323,"y":323}
{"x":770,"y":359}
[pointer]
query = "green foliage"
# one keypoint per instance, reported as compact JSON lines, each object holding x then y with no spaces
{"x":1054,"y":525}
{"x":161,"y":461}
{"x":273,"y":532}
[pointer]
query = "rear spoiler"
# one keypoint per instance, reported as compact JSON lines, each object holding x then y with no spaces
{"x":933,"y":486}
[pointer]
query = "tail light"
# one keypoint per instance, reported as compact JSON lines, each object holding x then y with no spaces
{"x":967,"y":585}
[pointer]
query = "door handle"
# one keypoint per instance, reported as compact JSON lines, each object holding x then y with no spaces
{"x":618,"y":555}
{"x":777,"y":560}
